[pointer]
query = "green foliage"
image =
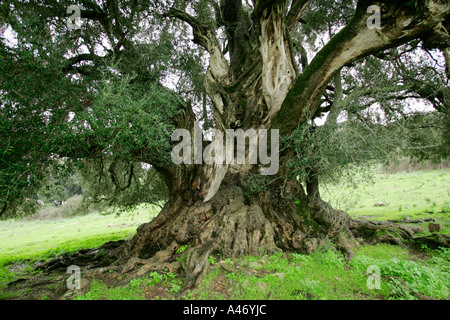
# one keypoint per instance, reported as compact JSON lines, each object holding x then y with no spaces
{"x":100,"y":291}
{"x":211,"y":260}
{"x":404,"y":279}
{"x":326,"y":275}
{"x":60,"y":102}
{"x":338,"y":13}
{"x":255,"y":183}
{"x":134,"y":290}
{"x":411,"y":93}
{"x":182,"y":249}
{"x":61,"y":188}
{"x":129,"y":118}
{"x":432,"y":143}
{"x":27,"y":105}
{"x":156,"y":277}
{"x":334,"y":150}
{"x":123,"y":186}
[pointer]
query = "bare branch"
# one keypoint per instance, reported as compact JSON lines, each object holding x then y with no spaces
{"x":79,"y":58}
{"x":355,"y":41}
{"x":295,"y":13}
{"x":201,"y":36}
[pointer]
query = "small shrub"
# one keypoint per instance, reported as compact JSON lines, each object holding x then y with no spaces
{"x":182,"y":249}
{"x":156,"y":277}
{"x":211,"y":260}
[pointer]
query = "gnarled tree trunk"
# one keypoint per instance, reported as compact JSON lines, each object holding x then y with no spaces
{"x":211,"y":211}
{"x":232,"y":224}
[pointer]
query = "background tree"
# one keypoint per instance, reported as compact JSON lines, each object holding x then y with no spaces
{"x":101,"y":91}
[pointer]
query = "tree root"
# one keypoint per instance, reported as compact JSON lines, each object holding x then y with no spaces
{"x":99,"y":257}
{"x":373,"y":232}
{"x":162,"y":260}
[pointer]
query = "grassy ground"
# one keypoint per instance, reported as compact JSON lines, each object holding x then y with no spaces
{"x":37,"y":239}
{"x":322,"y":275}
{"x":418,"y":195}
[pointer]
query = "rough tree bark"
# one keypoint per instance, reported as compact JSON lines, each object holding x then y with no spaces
{"x":210,"y":210}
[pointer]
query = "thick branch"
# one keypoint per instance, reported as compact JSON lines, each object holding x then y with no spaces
{"x":237,"y":32}
{"x":97,"y":15}
{"x":200,"y":29}
{"x":206,"y":37}
{"x":303,"y":57}
{"x":278,"y":72}
{"x":355,"y":41}
{"x":446,"y":53}
{"x":55,"y":8}
{"x":338,"y":95}
{"x":295,"y":13}
{"x":77,"y":59}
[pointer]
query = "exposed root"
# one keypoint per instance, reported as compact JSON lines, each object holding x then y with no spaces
{"x":162,"y":260}
{"x":432,"y":241}
{"x":373,"y":232}
{"x":99,"y":257}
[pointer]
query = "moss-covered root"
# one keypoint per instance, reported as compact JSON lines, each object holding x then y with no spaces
{"x":373,"y":232}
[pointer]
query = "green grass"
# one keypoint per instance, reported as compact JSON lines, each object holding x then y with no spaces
{"x":403,"y":278}
{"x":101,"y":291}
{"x":27,"y":241}
{"x":318,"y":276}
{"x":326,"y":275}
{"x":136,"y":289}
{"x":420,"y":195}
{"x":43,"y":239}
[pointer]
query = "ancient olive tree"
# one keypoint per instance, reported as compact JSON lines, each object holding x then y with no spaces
{"x":109,"y":71}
